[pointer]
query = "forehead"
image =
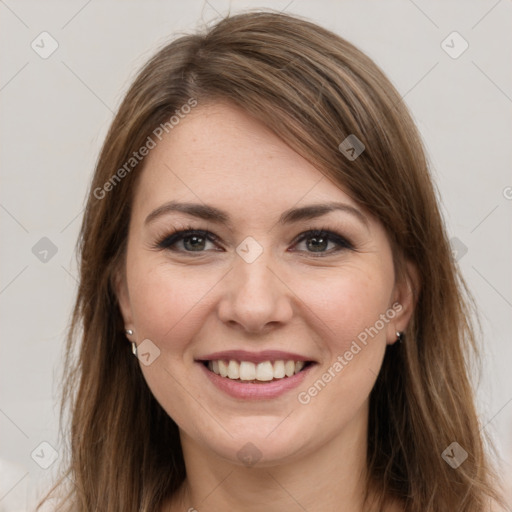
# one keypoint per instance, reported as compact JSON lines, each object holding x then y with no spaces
{"x":218,"y":154}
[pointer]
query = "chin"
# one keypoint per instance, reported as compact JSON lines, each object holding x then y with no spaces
{"x":258,"y":443}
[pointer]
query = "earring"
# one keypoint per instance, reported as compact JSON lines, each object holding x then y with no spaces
{"x":399,"y":336}
{"x":129,"y":332}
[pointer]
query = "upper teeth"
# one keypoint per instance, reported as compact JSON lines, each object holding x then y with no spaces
{"x":246,"y":370}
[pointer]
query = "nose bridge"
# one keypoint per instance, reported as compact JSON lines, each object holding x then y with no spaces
{"x":252,"y":277}
{"x":251,"y":262}
{"x":255,"y":296}
{"x":255,"y":276}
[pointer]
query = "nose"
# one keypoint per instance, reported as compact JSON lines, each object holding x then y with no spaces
{"x":255,"y":297}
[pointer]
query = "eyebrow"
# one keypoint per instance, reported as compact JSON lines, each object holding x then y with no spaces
{"x":213,"y":214}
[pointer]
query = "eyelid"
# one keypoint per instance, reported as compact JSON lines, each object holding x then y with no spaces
{"x":342,"y":241}
{"x":178,"y":234}
{"x":165,"y":242}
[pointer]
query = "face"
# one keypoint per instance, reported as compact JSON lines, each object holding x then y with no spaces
{"x":295,"y":302}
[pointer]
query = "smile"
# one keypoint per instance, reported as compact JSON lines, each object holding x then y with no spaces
{"x":249,"y":372}
{"x":263,"y":375}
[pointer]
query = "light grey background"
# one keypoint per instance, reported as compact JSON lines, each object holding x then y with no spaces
{"x":55,"y":114}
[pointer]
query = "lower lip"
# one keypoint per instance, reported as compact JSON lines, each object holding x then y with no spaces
{"x":251,"y":391}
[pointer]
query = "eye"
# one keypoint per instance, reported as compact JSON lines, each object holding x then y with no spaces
{"x":187,"y":240}
{"x":320,"y":240}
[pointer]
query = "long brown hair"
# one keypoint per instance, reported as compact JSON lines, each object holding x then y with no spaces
{"x":313,"y":89}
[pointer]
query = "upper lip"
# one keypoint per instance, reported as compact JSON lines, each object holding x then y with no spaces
{"x":254,"y":357}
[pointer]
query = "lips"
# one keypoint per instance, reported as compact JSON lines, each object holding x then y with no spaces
{"x":254,"y":357}
{"x":265,"y":374}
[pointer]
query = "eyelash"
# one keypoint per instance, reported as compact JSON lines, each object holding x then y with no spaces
{"x":169,"y":240}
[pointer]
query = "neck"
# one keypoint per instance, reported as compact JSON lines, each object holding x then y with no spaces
{"x":332,"y":476}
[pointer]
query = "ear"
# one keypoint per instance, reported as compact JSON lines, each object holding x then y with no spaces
{"x":405,"y":295}
{"x":123,"y":297}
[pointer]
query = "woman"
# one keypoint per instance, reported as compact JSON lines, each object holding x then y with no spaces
{"x":262,"y":233}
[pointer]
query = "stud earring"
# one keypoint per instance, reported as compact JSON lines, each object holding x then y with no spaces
{"x":399,"y":336}
{"x":129,"y":332}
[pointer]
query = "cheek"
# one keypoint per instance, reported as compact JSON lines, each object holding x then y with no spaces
{"x":169,"y":305}
{"x":168,"y":301}
{"x":347,"y":311}
{"x":349,"y":303}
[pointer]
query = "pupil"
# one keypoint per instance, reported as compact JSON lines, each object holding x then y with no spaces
{"x":318,"y":242}
{"x":194,"y":239}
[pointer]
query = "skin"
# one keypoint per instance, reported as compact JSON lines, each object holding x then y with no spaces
{"x":290,"y":298}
